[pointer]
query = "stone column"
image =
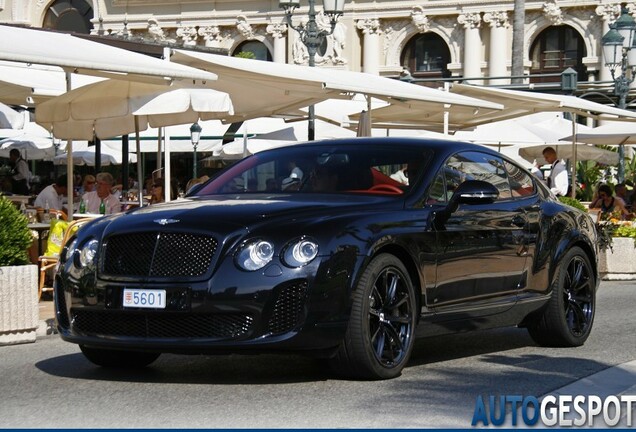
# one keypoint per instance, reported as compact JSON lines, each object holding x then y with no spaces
{"x":608,"y":13}
{"x":277,"y":31}
{"x":472,"y":45}
{"x":589,"y":121}
{"x":498,"y":46}
{"x":371,"y":54}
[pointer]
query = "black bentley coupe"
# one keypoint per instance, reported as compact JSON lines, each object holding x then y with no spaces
{"x":343,"y":249}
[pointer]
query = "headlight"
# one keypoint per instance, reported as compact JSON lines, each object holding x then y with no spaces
{"x":88,"y":253}
{"x":68,"y":251}
{"x":255,"y":255}
{"x":300,"y":252}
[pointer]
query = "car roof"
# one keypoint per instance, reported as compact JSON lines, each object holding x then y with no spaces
{"x":441,"y":147}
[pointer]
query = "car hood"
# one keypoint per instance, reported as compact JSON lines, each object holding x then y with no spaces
{"x":226,"y":213}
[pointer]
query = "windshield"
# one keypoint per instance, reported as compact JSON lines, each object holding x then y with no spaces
{"x":361,"y":168}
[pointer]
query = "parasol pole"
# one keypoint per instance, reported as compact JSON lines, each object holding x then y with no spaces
{"x":167,"y":190}
{"x":69,"y":163}
{"x":140,"y":176}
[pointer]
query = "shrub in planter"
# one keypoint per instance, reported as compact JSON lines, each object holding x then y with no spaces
{"x":611,"y":226}
{"x":15,"y":236}
{"x":18,"y":282}
{"x":572,"y":202}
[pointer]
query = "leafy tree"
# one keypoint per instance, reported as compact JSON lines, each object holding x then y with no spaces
{"x":588,"y":174}
{"x":246,"y":54}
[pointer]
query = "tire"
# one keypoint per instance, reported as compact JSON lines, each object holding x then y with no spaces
{"x":118,"y":359}
{"x":568,"y":317}
{"x":380,"y":334}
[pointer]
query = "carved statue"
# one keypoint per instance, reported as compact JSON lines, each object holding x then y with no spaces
{"x":156,"y":33}
{"x":244,"y":28}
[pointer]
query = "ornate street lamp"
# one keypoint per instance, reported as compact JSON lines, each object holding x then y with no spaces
{"x":312,"y":36}
{"x":195,"y":136}
{"x":618,"y":44}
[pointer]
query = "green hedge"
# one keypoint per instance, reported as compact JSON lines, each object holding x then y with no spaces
{"x":15,"y":236}
{"x":572,"y":202}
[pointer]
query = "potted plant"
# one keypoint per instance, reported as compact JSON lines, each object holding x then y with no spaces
{"x":617,"y":238}
{"x":18,"y":278}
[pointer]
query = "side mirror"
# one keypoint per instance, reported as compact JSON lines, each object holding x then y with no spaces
{"x":473,"y":192}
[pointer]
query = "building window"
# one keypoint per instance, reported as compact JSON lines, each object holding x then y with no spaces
{"x":426,"y":56}
{"x":69,"y":15}
{"x":556,"y":49}
{"x":258,"y":50}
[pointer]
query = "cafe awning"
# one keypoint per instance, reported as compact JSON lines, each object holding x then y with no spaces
{"x":261,"y":88}
{"x":82,"y":56}
{"x":516,"y":103}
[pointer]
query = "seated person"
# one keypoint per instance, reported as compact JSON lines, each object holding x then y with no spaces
{"x":51,"y":196}
{"x":290,"y":184}
{"x":401,"y":175}
{"x":604,"y":199}
{"x":190,"y":186}
{"x":157,"y":194}
{"x":621,"y":192}
{"x":103,"y":192}
{"x":88,"y":184}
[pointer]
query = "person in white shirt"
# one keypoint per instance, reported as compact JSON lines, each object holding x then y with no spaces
{"x":21,"y":176}
{"x":400,"y":175}
{"x":557,"y":181}
{"x":51,"y":196}
{"x":295,"y":171}
{"x":92,"y":200}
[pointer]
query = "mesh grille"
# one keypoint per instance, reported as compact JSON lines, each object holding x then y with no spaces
{"x":288,"y":309}
{"x":155,"y":254}
{"x":105,"y":323}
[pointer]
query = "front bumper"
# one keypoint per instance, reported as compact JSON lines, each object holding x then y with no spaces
{"x":274,"y":309}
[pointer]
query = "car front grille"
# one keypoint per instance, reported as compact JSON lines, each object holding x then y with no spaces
{"x":158,"y":326}
{"x":158,"y":255}
{"x":289,"y":308}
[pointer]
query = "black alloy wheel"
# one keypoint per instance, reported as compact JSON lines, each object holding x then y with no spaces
{"x":578,"y":297}
{"x":568,"y":318}
{"x":390,"y":313}
{"x":380,"y":336}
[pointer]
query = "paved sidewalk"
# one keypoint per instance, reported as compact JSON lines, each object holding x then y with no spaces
{"x":614,"y":381}
{"x":47,"y":318}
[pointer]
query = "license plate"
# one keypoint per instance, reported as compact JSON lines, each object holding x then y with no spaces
{"x":144,"y":298}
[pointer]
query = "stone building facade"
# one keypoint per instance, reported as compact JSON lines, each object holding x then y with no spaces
{"x":431,"y":38}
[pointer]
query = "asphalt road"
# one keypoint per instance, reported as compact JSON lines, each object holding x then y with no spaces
{"x":49,"y":384}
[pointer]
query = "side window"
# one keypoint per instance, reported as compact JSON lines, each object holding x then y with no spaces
{"x":437,"y":193}
{"x":521,"y":182}
{"x":477,"y":166}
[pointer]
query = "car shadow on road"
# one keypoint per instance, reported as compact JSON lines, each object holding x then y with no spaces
{"x":277,"y":369}
{"x":197,"y":369}
{"x":449,"y":347}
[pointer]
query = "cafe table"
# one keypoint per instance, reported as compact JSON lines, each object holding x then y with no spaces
{"x":40,"y":228}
